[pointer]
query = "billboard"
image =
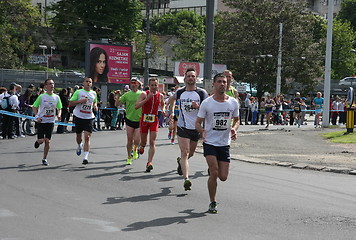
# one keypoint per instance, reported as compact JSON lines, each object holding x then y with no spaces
{"x":181,"y":67}
{"x":108,"y":63}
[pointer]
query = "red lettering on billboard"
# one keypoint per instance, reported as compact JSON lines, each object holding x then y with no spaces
{"x":183,"y":66}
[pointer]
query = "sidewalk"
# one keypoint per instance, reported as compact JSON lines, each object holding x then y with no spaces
{"x":290,"y":146}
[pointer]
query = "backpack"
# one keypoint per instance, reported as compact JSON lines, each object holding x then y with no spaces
{"x":5,"y":103}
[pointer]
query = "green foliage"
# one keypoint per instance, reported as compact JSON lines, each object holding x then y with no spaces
{"x":170,"y":23}
{"x":348,"y":12}
{"x":19,"y":21}
{"x":140,"y":44}
{"x":77,"y":21}
{"x":189,"y":28}
{"x":343,"y":63}
{"x":252,"y":31}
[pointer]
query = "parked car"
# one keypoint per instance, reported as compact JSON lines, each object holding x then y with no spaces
{"x":72,"y":73}
{"x":348,"y":81}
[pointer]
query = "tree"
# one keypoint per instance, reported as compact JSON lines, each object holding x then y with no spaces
{"x":19,"y":22}
{"x":343,"y":59}
{"x":348,"y":12}
{"x":251,"y":31}
{"x":77,"y":21}
{"x":189,"y":29}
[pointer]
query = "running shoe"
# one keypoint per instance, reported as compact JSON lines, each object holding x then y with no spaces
{"x":172,"y":141}
{"x":213,"y":207}
{"x":141,"y":150}
{"x":129,"y":161}
{"x":149,"y":167}
{"x":179,"y":168}
{"x":44,"y":162}
{"x":36,"y":144}
{"x":85,"y":162}
{"x":187,"y":184}
{"x":79,"y":149}
{"x":135,"y":154}
{"x":169,"y":135}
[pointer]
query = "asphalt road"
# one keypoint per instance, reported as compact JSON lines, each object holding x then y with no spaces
{"x":108,"y":200}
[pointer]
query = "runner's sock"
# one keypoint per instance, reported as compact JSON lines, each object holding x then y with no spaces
{"x":86,"y":154}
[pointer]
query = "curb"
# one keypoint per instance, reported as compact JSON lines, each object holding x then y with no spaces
{"x":343,"y":170}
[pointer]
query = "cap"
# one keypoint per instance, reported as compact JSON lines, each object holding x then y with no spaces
{"x":304,"y":98}
{"x":31,"y":86}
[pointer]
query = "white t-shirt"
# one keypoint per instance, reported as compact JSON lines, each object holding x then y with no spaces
{"x":218,"y":117}
{"x":84,"y":110}
{"x":188,"y":114}
{"x":47,"y":105}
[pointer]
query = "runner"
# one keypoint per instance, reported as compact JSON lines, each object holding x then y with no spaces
{"x":217,"y":112}
{"x":132,"y":119}
{"x":85,"y":101}
{"x":189,"y":99}
{"x":318,"y":103}
{"x":44,"y":109}
{"x":149,"y":101}
{"x":173,"y":122}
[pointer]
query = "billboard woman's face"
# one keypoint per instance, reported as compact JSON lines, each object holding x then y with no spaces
{"x":100,"y":64}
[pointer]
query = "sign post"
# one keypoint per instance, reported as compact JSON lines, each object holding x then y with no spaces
{"x":350,"y":120}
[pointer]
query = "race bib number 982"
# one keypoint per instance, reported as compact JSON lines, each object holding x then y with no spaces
{"x":221,"y":121}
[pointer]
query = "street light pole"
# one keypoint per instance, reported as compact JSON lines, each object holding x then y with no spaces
{"x":148,"y":45}
{"x":279,"y":64}
{"x":209,"y":45}
{"x":329,"y":41}
{"x":44,"y":47}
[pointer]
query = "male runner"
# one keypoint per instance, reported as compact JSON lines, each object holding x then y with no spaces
{"x":230,"y":90}
{"x":149,"y":101}
{"x":189,"y":99}
{"x":84,"y":100}
{"x":132,"y":119}
{"x":44,"y":109}
{"x":217,"y":112}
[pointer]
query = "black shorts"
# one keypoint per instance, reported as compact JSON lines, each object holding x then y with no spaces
{"x":132,"y":123}
{"x":44,"y":130}
{"x":221,"y":153}
{"x":83,"y":125}
{"x":192,"y":134}
{"x":175,"y":118}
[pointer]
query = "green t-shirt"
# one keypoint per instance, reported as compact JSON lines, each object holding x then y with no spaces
{"x":129,"y":99}
{"x":231,"y":92}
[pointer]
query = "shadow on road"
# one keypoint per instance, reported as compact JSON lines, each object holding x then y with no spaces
{"x":165,"y":221}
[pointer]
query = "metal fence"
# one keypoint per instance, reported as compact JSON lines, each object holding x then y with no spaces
{"x":26,"y":77}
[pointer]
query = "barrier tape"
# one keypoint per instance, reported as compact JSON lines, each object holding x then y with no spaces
{"x":284,"y":110}
{"x":12,"y":114}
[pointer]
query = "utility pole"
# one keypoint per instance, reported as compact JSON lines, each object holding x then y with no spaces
{"x":148,"y":45}
{"x":279,"y":64}
{"x":209,"y":45}
{"x":329,"y":41}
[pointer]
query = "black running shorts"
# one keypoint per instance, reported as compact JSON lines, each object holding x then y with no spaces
{"x":44,"y":130}
{"x":83,"y":125}
{"x":132,"y":123}
{"x":192,"y":134}
{"x":221,"y":153}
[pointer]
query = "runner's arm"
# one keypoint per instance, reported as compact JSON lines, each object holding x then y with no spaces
{"x":199,"y":128}
{"x":141,"y":100}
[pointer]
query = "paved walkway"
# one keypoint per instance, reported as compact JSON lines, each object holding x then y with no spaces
{"x":290,"y":146}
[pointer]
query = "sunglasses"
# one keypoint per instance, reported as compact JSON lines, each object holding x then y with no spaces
{"x":134,"y":82}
